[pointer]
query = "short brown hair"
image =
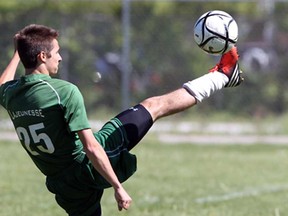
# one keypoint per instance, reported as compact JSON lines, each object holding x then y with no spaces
{"x":33,"y":39}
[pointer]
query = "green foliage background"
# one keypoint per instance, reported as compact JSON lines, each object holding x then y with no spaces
{"x":163,"y":53}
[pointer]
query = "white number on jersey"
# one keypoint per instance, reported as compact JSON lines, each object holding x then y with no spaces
{"x":26,"y":136}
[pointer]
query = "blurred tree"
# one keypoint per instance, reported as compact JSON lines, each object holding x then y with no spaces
{"x":163,"y":52}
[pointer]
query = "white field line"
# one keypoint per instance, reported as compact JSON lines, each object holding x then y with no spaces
{"x":223,"y":139}
{"x":241,"y":194}
{"x":171,"y":139}
{"x":221,"y":133}
{"x":277,"y":212}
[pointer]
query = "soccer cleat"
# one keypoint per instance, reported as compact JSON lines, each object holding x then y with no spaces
{"x":230,"y":67}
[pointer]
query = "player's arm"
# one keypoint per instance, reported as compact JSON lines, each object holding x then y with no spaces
{"x":100,"y":161}
{"x":9,"y":72}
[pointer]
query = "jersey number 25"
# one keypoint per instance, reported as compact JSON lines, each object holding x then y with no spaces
{"x":30,"y":134}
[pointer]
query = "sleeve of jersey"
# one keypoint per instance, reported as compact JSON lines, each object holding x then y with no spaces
{"x":3,"y":94}
{"x":75,"y":112}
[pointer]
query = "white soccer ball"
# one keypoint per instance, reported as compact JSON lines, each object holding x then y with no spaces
{"x":216,"y":32}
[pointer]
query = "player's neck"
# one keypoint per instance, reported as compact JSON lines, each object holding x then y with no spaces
{"x":33,"y":71}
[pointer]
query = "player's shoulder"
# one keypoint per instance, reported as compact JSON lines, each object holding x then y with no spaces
{"x":63,"y":88}
{"x":61,"y":84}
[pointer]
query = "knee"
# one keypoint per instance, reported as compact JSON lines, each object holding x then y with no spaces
{"x":153,"y":106}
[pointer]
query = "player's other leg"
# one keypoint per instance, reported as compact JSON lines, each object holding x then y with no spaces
{"x":98,"y":212}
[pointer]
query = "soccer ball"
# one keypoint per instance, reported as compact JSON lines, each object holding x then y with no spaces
{"x":216,"y":32}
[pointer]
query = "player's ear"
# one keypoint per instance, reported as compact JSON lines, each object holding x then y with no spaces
{"x":42,"y":56}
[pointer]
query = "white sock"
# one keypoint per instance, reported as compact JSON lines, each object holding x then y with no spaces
{"x":202,"y":87}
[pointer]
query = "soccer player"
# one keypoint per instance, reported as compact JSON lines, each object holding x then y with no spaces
{"x":51,"y":122}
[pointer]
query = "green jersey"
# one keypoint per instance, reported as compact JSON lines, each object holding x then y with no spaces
{"x":46,"y":114}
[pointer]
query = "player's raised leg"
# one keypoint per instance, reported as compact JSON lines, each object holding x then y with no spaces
{"x":229,"y":65}
{"x":225,"y":74}
{"x":139,"y":119}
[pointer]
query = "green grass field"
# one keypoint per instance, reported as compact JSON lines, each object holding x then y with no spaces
{"x":182,"y":180}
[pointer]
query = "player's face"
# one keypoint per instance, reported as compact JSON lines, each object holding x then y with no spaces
{"x":55,"y":58}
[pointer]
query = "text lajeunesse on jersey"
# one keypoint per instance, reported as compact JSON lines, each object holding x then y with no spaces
{"x":18,"y":114}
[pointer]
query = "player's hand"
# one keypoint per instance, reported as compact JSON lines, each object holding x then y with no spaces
{"x":122,"y":198}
